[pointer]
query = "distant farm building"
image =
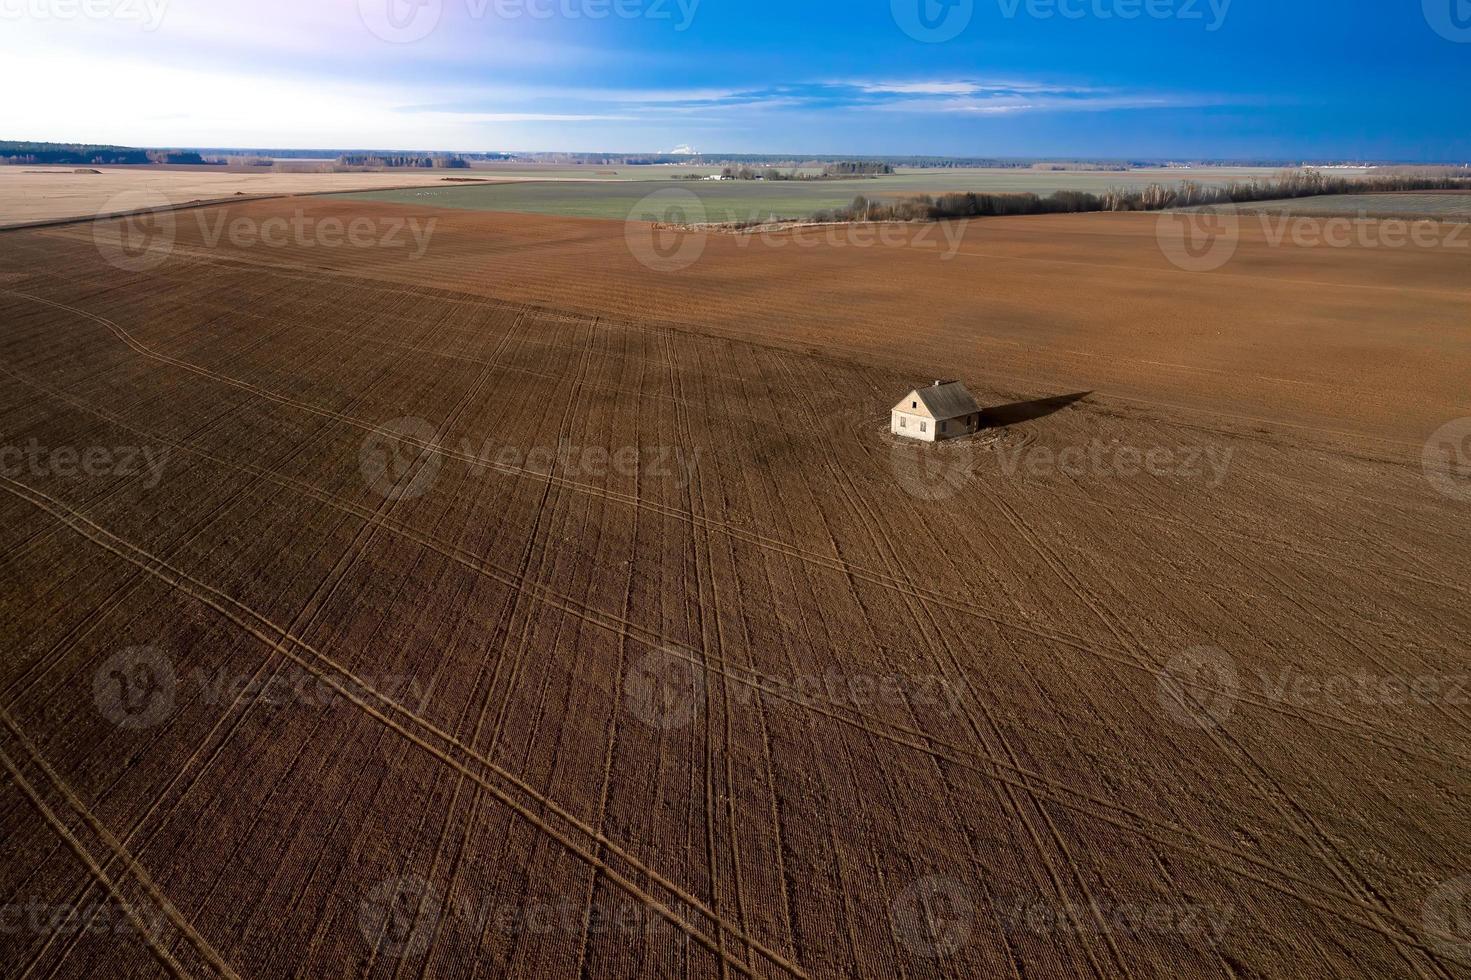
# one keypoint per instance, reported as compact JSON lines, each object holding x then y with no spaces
{"x":944,"y":410}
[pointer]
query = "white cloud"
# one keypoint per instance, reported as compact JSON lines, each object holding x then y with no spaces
{"x":920,"y":88}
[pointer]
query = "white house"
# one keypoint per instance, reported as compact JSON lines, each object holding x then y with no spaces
{"x":944,"y":410}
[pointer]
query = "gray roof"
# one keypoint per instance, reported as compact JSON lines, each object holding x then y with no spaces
{"x":949,"y":400}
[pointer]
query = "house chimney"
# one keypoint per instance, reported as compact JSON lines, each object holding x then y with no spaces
{"x":938,"y":383}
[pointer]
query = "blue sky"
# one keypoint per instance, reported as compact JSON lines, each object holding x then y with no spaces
{"x":1381,"y":79}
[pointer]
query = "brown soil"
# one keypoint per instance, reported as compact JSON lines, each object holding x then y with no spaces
{"x":818,"y":703}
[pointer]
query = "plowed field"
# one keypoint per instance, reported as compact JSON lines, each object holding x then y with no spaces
{"x":521,"y":609}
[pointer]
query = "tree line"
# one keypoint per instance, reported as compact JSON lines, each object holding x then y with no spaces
{"x":438,"y":161}
{"x":1154,"y":197}
{"x":16,"y":152}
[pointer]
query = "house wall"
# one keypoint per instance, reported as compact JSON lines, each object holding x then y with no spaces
{"x":911,"y":430}
{"x":955,"y":428}
{"x":966,"y":425}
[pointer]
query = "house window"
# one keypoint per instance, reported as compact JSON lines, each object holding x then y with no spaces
{"x":903,"y":422}
{"x":914,"y":404}
{"x":942,"y":428}
{"x":924,"y":427}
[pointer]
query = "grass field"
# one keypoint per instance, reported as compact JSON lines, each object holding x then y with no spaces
{"x":1441,"y":206}
{"x":35,"y":194}
{"x":759,"y":200}
{"x":526,"y":610}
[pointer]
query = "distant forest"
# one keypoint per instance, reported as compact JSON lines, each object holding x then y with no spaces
{"x":438,"y":161}
{"x":86,"y":154}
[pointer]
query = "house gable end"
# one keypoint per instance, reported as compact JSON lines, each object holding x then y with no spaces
{"x":913,"y":404}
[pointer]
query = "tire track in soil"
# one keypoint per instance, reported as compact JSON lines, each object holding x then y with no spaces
{"x":1314,"y":837}
{"x":925,"y":746}
{"x":778,"y":361}
{"x":81,"y":852}
{"x":873,"y":525}
{"x":694,"y":494}
{"x":131,"y":585}
{"x":214,"y":599}
{"x":331,"y":583}
{"x":1021,"y":659}
{"x":605,"y":779}
{"x":40,"y":538}
{"x":128,"y":586}
{"x":386,"y":508}
{"x":723,"y":527}
{"x":472,"y":819}
{"x":517,"y":660}
{"x":789,"y":885}
{"x":1412,"y":931}
{"x":119,"y":852}
{"x":832,"y":563}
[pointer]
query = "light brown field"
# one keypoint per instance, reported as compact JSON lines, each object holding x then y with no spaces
{"x":30,"y":194}
{"x":815,"y":704}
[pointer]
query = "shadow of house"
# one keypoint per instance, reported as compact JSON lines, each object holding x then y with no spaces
{"x":1019,"y":412}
